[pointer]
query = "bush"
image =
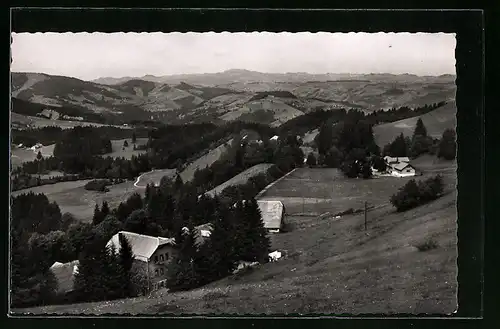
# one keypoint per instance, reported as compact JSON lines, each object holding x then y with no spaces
{"x":427,"y":245}
{"x":98,"y":185}
{"x":412,"y":194}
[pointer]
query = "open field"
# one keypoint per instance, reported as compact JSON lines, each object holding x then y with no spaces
{"x":316,"y":191}
{"x":241,"y":178}
{"x":128,"y":152}
{"x":38,"y":122}
{"x":330,"y":267}
{"x":20,"y":155}
{"x":72,"y":197}
{"x":435,"y":121}
{"x":204,"y":161}
{"x":153,"y":177}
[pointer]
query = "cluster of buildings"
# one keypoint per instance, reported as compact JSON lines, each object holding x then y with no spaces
{"x":153,"y":254}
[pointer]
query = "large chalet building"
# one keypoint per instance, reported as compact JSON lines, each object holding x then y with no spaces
{"x":151,"y":257}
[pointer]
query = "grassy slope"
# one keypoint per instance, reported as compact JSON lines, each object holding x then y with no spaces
{"x":435,"y":121}
{"x":241,"y":178}
{"x":331,"y":267}
{"x":119,"y":152}
{"x":204,"y":161}
{"x":154,"y":177}
{"x":38,"y":122}
{"x":73,"y":198}
{"x":20,"y":155}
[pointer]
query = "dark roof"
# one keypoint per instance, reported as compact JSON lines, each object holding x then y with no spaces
{"x":402,"y":165}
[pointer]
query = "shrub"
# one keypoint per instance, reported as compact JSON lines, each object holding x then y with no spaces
{"x":412,"y":194}
{"x":427,"y":245}
{"x":98,"y":185}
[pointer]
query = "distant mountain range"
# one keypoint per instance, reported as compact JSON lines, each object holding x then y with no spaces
{"x":241,"y":76}
{"x":267,"y":98}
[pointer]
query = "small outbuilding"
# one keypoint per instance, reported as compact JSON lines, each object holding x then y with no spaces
{"x":273,"y":214}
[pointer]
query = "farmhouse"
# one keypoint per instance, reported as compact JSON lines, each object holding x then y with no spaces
{"x":151,"y":256}
{"x":273,"y":214}
{"x":399,"y":166}
{"x":64,"y":274}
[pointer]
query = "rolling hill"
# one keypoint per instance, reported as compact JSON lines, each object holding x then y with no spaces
{"x":436,"y":122}
{"x":231,"y":95}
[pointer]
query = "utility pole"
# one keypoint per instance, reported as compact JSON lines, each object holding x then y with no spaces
{"x":366,"y":206}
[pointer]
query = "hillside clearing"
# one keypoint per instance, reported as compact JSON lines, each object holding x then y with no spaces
{"x":38,"y":122}
{"x":204,"y":161}
{"x":436,"y":122}
{"x":72,"y":196}
{"x":328,"y":190}
{"x":241,"y":178}
{"x":128,"y":152}
{"x":20,"y":155}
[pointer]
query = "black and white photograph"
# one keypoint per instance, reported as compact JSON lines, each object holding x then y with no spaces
{"x":240,"y":173}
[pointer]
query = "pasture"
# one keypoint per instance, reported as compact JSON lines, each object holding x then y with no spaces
{"x":241,"y":178}
{"x":72,"y":197}
{"x":39,"y":122}
{"x":154,"y":177}
{"x":204,"y":161}
{"x":436,"y":122}
{"x":318,"y":190}
{"x":20,"y":155}
{"x":119,"y":151}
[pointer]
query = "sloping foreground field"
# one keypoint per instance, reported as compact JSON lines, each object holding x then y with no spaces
{"x":330,"y":267}
{"x":72,"y":197}
{"x":204,"y":161}
{"x":241,"y":178}
{"x":436,"y":122}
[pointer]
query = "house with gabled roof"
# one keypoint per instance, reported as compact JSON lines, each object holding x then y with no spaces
{"x":151,"y":255}
{"x":399,"y":166}
{"x":64,"y":274}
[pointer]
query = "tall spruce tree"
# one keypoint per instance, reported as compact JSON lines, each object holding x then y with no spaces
{"x":257,"y":246}
{"x":126,"y":260}
{"x":105,"y":210}
{"x":222,"y":250}
{"x":420,"y":142}
{"x":448,"y":145}
{"x":183,"y":273}
{"x":420,"y":129}
{"x":98,"y":217}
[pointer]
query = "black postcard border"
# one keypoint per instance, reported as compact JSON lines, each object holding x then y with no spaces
{"x":468,"y":26}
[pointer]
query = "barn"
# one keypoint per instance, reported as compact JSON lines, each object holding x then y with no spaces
{"x":273,"y":215}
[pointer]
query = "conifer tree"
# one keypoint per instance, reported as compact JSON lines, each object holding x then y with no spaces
{"x":183,"y":273}
{"x":258,"y":245}
{"x":104,"y":210}
{"x":420,"y":129}
{"x":97,"y":218}
{"x":125,"y":259}
{"x":220,"y":245}
{"x":448,"y":145}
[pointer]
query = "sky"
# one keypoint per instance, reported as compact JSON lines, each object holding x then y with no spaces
{"x":89,"y":56}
